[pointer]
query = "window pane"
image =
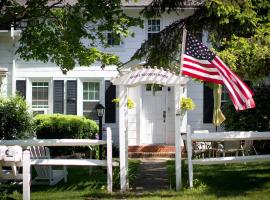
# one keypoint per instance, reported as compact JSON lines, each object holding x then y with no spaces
{"x":92,"y":87}
{"x":85,"y":86}
{"x":85,"y":96}
{"x":97,"y":95}
{"x":92,"y":96}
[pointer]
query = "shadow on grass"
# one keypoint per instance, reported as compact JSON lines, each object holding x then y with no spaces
{"x":79,"y":179}
{"x":229,"y":180}
{"x":233,"y":180}
{"x":127,"y":195}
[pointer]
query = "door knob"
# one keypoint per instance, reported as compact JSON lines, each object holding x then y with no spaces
{"x":164,"y":116}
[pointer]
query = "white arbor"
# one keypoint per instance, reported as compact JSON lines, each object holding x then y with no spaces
{"x":140,"y":77}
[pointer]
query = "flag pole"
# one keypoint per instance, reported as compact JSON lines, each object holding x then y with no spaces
{"x":178,"y":120}
{"x":183,"y":48}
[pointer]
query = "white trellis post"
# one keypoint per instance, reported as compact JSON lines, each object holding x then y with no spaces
{"x":123,"y":138}
{"x":177,"y":138}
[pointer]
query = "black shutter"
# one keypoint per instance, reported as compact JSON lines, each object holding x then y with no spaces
{"x":21,"y":87}
{"x":110,"y":110}
{"x":208,"y":104}
{"x":58,"y":96}
{"x":72,"y":97}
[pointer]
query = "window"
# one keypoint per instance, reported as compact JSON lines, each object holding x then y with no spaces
{"x":153,"y":27}
{"x":153,"y":87}
{"x":91,"y":91}
{"x":90,"y":99}
{"x":208,"y":102}
{"x":40,"y":94}
{"x":224,"y":96}
{"x":113,"y":39}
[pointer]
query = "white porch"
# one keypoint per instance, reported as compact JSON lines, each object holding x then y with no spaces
{"x":141,"y":77}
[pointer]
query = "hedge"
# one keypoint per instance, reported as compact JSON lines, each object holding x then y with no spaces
{"x":58,"y":126}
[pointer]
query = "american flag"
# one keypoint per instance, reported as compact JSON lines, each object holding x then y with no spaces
{"x":201,"y":63}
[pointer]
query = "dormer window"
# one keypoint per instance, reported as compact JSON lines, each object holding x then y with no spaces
{"x":153,"y":27}
{"x":113,"y":39}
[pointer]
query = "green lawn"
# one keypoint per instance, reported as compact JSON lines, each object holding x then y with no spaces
{"x":230,"y":182}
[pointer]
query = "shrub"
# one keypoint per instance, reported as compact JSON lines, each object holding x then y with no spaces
{"x":58,"y":126}
{"x":15,"y":120}
{"x":256,"y":119}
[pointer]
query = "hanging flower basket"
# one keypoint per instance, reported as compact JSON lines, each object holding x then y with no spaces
{"x":186,"y":104}
{"x":130,"y":102}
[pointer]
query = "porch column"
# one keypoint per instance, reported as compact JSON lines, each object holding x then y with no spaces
{"x":178,"y":121}
{"x":123,"y":138}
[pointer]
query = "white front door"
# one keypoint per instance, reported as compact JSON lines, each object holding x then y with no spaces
{"x":153,"y":115}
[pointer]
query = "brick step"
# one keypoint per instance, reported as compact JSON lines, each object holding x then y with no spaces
{"x":151,"y":155}
{"x":151,"y":148}
{"x":152,"y":151}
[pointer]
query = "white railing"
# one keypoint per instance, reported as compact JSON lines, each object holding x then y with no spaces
{"x":27,"y":161}
{"x":222,"y":136}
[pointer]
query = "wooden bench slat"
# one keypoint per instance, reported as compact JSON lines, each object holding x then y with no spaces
{"x":53,"y":142}
{"x":71,"y":162}
{"x":230,"y":136}
{"x":233,"y":159}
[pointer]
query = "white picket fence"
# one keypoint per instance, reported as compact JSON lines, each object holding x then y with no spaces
{"x":27,"y":161}
{"x":222,"y":136}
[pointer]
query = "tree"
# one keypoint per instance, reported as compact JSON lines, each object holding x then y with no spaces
{"x":66,"y":32}
{"x":239,"y":32}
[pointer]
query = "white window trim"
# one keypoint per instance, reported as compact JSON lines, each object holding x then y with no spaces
{"x":45,"y":110}
{"x":50,"y":92}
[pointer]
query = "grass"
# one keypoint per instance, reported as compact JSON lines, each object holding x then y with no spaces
{"x":230,"y":182}
{"x":78,"y":186}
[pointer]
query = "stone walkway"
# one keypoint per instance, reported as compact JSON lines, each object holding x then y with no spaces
{"x":152,"y":175}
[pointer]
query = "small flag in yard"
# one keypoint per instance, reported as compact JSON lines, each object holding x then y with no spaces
{"x":201,"y":63}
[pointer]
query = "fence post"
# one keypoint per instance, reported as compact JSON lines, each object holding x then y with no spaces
{"x":26,"y":175}
{"x":189,"y":155}
{"x":109,"y":160}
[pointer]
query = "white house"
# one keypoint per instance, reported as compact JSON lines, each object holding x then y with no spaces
{"x":49,"y":91}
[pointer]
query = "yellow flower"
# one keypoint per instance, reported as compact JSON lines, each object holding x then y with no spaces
{"x":187,"y":104}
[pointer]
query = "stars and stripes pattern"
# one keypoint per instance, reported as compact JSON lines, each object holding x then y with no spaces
{"x":201,"y":63}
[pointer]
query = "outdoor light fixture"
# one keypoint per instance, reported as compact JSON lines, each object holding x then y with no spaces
{"x":100,"y":112}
